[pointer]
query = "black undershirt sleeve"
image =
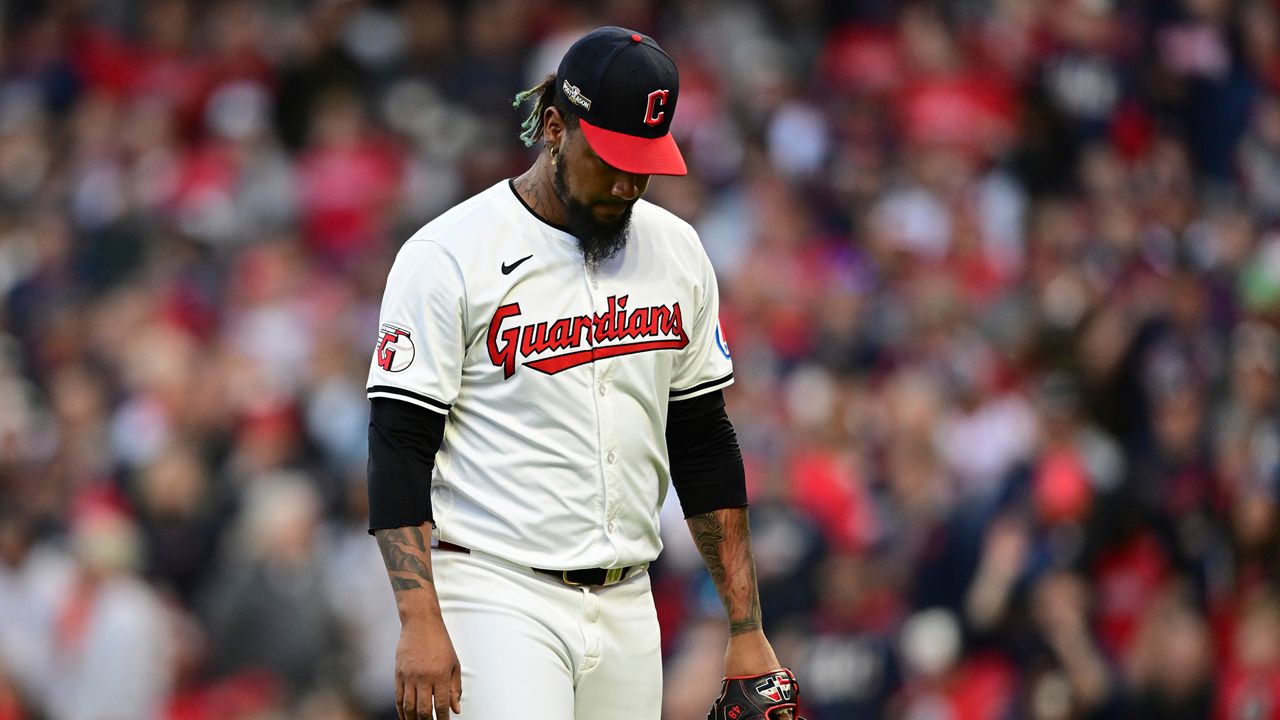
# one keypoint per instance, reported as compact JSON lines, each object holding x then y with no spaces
{"x":403,"y":440}
{"x":706,"y":463}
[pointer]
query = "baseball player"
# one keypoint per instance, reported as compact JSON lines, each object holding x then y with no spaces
{"x":548,"y":359}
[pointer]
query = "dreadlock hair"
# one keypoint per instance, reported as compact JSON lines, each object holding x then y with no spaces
{"x":544,"y":94}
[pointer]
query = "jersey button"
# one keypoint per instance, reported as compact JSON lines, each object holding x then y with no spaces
{"x":604,"y":390}
{"x":612,"y":457}
{"x":612,"y":526}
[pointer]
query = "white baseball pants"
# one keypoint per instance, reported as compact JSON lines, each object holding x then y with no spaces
{"x":534,"y":648}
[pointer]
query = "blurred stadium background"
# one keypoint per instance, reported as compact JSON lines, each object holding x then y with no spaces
{"x":1001,"y":280}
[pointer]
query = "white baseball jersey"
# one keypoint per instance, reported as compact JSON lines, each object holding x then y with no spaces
{"x":554,"y":379}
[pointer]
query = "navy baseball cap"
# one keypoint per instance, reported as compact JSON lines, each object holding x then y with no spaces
{"x":623,"y":88}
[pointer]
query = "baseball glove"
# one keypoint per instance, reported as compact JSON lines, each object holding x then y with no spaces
{"x":771,"y":696}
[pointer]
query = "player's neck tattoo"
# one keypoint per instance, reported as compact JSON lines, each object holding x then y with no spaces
{"x":539,"y":197}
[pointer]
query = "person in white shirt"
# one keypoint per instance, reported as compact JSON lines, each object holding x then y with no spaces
{"x":549,"y":358}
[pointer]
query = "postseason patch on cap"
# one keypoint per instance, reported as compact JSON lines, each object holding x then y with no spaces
{"x":575,"y":96}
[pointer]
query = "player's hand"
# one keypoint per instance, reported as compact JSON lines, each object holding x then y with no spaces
{"x":749,"y":653}
{"x":427,"y":671}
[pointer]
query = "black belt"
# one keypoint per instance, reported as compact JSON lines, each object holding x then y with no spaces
{"x":602,"y":577}
{"x":599,"y":577}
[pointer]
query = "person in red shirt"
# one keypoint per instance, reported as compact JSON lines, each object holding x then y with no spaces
{"x":1249,"y":682}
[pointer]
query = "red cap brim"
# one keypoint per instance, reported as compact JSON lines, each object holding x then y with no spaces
{"x":642,"y":156}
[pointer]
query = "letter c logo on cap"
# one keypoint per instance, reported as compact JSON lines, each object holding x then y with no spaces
{"x":657,"y":99}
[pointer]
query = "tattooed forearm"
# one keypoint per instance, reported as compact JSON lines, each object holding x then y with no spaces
{"x":404,"y":550}
{"x":708,"y":535}
{"x":752,"y":619}
{"x":399,"y":583}
{"x":738,"y":627}
{"x":724,"y":541}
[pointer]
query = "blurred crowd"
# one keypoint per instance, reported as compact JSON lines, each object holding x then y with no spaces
{"x":1001,"y":279}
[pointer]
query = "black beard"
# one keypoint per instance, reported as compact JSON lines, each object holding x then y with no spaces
{"x":599,"y":241}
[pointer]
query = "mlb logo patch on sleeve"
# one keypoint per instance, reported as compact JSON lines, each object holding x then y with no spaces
{"x":395,"y":349}
{"x":721,"y":344}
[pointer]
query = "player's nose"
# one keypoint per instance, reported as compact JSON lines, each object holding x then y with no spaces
{"x":628,"y":186}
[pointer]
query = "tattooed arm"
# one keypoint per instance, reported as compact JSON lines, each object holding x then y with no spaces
{"x":427,"y":670}
{"x":407,"y":555}
{"x":724,"y":540}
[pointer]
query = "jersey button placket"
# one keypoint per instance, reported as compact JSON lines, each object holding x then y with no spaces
{"x":608,"y":442}
{"x":604,"y":414}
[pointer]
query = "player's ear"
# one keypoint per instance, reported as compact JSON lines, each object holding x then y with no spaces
{"x":553,"y":127}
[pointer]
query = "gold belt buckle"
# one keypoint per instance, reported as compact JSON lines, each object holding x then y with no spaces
{"x":564,"y":576}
